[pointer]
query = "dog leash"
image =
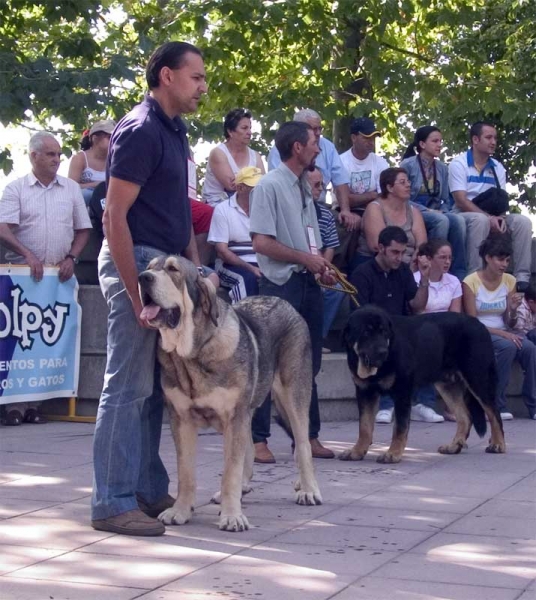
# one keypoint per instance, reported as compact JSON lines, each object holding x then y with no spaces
{"x":346,"y":286}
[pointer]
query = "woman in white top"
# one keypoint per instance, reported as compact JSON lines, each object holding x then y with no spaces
{"x":489,"y":295}
{"x":228,"y":158}
{"x":88,"y":167}
{"x":444,"y":294}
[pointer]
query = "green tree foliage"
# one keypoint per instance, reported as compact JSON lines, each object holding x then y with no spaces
{"x":404,"y":62}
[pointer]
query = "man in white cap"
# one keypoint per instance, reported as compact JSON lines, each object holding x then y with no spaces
{"x":229,"y":232}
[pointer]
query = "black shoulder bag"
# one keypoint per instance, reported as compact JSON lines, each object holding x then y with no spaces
{"x":494,"y":201}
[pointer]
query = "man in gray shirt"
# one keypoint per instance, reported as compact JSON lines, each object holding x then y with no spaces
{"x":286,"y":238}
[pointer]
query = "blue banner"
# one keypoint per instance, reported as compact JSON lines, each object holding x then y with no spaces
{"x":39,"y":335}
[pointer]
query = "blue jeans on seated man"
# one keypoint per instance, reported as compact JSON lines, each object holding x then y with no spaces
{"x":305,"y":295}
{"x":129,"y":419}
{"x":332,"y":301}
{"x":446,"y":225}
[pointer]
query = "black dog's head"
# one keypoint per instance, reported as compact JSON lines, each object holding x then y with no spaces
{"x":367,"y":337}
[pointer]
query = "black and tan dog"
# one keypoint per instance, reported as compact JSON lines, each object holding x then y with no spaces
{"x":218,"y":364}
{"x":397,"y":355}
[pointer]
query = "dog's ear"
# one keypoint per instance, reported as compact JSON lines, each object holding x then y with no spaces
{"x":209,"y":303}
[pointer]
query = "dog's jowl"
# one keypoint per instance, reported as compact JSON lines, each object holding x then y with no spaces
{"x":218,"y":364}
{"x":397,"y":355}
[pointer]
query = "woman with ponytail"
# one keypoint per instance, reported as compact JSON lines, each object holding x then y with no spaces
{"x":430,"y":193}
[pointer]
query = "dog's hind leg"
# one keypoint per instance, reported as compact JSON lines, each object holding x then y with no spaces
{"x":292,"y":402}
{"x":185,"y":438}
{"x":236,"y":432}
{"x":453,"y":393}
{"x":497,"y":444}
{"x":368,"y":407}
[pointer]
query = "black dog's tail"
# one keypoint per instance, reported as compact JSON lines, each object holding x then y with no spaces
{"x":477,"y":414}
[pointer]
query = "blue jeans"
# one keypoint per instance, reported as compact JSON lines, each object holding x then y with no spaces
{"x":451,"y":227}
{"x":126,"y":456}
{"x":305,"y":295}
{"x":505,"y":354}
{"x":426,"y":396}
{"x":332,"y":301}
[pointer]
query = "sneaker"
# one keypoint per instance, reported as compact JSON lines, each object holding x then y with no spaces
{"x":132,"y":522}
{"x":326,"y":351}
{"x":506,"y":416}
{"x":320,"y":451}
{"x":420,"y":412}
{"x":533,"y":417}
{"x":385,"y":416}
{"x":153,"y":510}
{"x":263,"y":454}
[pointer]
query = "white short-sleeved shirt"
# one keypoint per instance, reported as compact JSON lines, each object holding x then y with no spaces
{"x":45,"y":217}
{"x":465,"y":177}
{"x":441,"y":293}
{"x":364,"y":174}
{"x":491,"y":304}
{"x":230,"y":225}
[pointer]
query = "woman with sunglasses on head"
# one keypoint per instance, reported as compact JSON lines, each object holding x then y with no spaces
{"x":88,"y":167}
{"x":430,"y":193}
{"x":227,"y":158}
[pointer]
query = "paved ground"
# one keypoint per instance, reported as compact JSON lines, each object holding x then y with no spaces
{"x":430,"y":528}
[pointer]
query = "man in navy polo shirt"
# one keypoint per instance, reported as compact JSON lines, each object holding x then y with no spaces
{"x":147,"y":215}
{"x":470,"y":174}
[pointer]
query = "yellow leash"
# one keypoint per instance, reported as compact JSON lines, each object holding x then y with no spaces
{"x":347,"y":287}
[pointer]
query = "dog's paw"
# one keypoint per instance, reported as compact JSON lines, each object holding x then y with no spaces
{"x":388,"y":458}
{"x":309,"y":498}
{"x":350,"y":455}
{"x":233,"y":522}
{"x":496,"y":449}
{"x":176,"y":515}
{"x":216,"y":499}
{"x":452,"y":448}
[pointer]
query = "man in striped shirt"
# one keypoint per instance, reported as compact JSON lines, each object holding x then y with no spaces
{"x":330,"y":241}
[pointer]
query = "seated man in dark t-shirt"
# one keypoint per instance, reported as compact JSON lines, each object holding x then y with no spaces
{"x":388,"y":283}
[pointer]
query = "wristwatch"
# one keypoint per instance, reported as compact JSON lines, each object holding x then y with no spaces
{"x":74,"y":258}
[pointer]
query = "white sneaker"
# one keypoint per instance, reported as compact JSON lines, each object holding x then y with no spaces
{"x":506,"y":416}
{"x":420,"y":412}
{"x":385,"y":416}
{"x":534,"y":417}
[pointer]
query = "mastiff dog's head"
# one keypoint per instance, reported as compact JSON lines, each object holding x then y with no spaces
{"x":179,"y":302}
{"x":367,"y":337}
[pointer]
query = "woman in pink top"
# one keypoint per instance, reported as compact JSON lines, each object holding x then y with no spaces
{"x":444,"y":294}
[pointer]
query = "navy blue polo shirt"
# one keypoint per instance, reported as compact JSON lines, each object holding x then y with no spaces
{"x":390,"y":290}
{"x":151,"y":150}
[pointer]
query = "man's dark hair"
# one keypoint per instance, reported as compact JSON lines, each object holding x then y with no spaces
{"x":288,"y":134}
{"x":232,"y":118}
{"x":496,"y":244}
{"x":169,"y":55}
{"x":392,"y":233}
{"x":476,"y":129}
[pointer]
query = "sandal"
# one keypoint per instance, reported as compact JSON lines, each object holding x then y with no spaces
{"x":12,"y":417}
{"x":32,"y":416}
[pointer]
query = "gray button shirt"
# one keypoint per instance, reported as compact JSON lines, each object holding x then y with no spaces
{"x":282,"y":207}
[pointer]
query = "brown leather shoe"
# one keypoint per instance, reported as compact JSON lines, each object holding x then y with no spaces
{"x":153,"y":510}
{"x":132,"y":522}
{"x":263,"y":454}
{"x":320,"y":451}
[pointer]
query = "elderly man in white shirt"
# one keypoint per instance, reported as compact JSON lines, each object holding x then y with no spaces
{"x":43,"y":222}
